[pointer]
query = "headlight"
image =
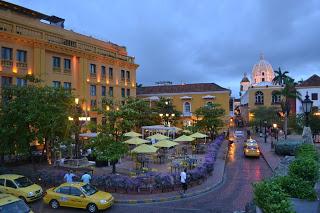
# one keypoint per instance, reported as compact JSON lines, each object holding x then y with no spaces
{"x":30,"y":194}
{"x":103,"y":201}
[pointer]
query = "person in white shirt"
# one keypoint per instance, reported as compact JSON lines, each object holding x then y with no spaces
{"x":69,"y":177}
{"x":183,"y":180}
{"x":86,"y":178}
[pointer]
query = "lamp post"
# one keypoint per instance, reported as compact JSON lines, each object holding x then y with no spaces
{"x":275,"y":127}
{"x":307,"y":108}
{"x":167,"y":114}
{"x":78,"y":120}
{"x":265,"y":131}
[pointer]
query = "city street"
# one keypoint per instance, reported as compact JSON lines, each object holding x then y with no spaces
{"x":232,"y":195}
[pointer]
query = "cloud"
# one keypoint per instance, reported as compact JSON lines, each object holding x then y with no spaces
{"x":200,"y":41}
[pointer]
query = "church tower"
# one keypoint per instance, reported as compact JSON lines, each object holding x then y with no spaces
{"x":244,"y":84}
{"x":262,"y":71}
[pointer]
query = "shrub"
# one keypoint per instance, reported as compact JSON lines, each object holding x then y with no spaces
{"x":287,"y":147}
{"x":307,"y":150}
{"x":269,"y":196}
{"x":297,"y":187}
{"x":305,"y":168}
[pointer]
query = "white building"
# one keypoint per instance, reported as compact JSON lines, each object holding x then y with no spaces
{"x":312,"y":87}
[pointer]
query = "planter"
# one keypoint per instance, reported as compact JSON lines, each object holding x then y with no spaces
{"x":302,"y":206}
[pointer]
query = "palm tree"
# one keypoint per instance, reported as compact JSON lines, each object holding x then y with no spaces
{"x":280,"y":77}
{"x":287,"y":93}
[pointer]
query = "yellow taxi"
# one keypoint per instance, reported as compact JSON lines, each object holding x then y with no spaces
{"x":78,"y":195}
{"x":20,"y":186}
{"x":250,"y":141}
{"x":10,"y":203}
{"x":251,"y":150}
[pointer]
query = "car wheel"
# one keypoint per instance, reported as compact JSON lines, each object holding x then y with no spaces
{"x":54,"y":204}
{"x":92,"y":208}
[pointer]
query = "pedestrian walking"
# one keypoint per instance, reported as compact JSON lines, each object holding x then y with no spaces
{"x":183,"y":180}
{"x":86,"y":178}
{"x":68,"y":177}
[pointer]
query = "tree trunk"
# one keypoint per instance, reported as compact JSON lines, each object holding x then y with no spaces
{"x":113,"y":167}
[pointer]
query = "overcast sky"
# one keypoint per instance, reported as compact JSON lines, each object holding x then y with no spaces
{"x":193,"y":41}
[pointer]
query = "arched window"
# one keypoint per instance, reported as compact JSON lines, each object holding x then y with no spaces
{"x":187,"y":108}
{"x":276,"y":98}
{"x":259,"y":97}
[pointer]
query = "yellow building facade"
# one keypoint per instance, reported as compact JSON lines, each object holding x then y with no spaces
{"x":187,"y":98}
{"x":37,"y":44}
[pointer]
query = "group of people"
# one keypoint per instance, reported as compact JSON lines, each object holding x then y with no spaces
{"x":68,"y":177}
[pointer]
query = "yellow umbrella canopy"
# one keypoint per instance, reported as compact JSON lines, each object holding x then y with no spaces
{"x":198,"y":135}
{"x":145,"y":149}
{"x":186,"y":131}
{"x":165,"y":144}
{"x":136,"y":141}
{"x":184,"y":138}
{"x":158,"y":137}
{"x":132,"y":134}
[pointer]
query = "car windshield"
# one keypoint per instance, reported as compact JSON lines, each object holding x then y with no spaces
{"x":23,"y":182}
{"x":252,"y":147}
{"x":88,"y":189}
{"x":16,"y":207}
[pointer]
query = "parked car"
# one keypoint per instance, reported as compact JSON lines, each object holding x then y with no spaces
{"x":10,"y":203}
{"x":78,"y":195}
{"x":20,"y":186}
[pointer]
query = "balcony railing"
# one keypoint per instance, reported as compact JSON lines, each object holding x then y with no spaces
{"x":67,"y":71}
{"x":6,"y":63}
{"x":56,"y":69}
{"x":22,"y":65}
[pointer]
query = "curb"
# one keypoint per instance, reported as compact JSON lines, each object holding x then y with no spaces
{"x":178,"y":197}
{"x":262,"y":153}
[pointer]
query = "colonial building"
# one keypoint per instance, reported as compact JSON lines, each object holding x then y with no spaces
{"x":35,"y":43}
{"x":187,"y":98}
{"x":312,"y":87}
{"x":261,"y":91}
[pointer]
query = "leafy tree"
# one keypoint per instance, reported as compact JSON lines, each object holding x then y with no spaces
{"x":263,"y":113}
{"x":169,"y":113}
{"x":33,"y":113}
{"x":288,"y":92}
{"x":107,"y":149}
{"x":210,"y":118}
{"x":280,"y":77}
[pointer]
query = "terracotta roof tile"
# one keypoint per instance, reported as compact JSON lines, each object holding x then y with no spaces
{"x":310,"y":82}
{"x":183,"y":88}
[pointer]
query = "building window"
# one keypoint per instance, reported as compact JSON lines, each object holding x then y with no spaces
{"x":67,"y":64}
{"x":259,"y":97}
{"x":103,"y":71}
{"x":111,"y":91}
{"x":6,"y":53}
{"x":103,"y":91}
{"x":123,"y":93}
{"x":93,"y":70}
{"x":56,"y":84}
{"x":128,"y":75}
{"x":128,"y":92}
{"x":93,"y":90}
{"x":56,"y":62}
{"x":262,"y":73}
{"x":262,"y":79}
{"x":186,"y":108}
{"x":93,"y":103}
{"x":314,"y":96}
{"x":276,"y":98}
{"x":6,"y":81}
{"x":22,"y":56}
{"x":21,"y":82}
{"x":67,"y":85}
{"x":122,"y":75}
{"x":110,"y":73}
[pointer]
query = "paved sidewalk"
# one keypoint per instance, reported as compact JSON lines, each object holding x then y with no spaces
{"x":269,"y":155}
{"x":211,"y":182}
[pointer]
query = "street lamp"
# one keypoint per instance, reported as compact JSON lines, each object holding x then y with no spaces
{"x":275,"y":127}
{"x":307,"y":107}
{"x":265,"y":131}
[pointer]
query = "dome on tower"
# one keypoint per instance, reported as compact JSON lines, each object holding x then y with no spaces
{"x":262,"y":71}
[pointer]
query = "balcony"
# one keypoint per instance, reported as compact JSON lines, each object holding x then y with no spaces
{"x":22,"y":65}
{"x":56,"y":69}
{"x":93,"y":75}
{"x":186,"y":114}
{"x":6,"y":63}
{"x":67,"y":71}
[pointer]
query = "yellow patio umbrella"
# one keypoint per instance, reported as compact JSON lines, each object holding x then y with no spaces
{"x":165,"y":144}
{"x":132,"y":134}
{"x":186,"y":131}
{"x":145,"y":149}
{"x":158,"y":137}
{"x":136,"y":141}
{"x":184,"y":138}
{"x":198,"y":135}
